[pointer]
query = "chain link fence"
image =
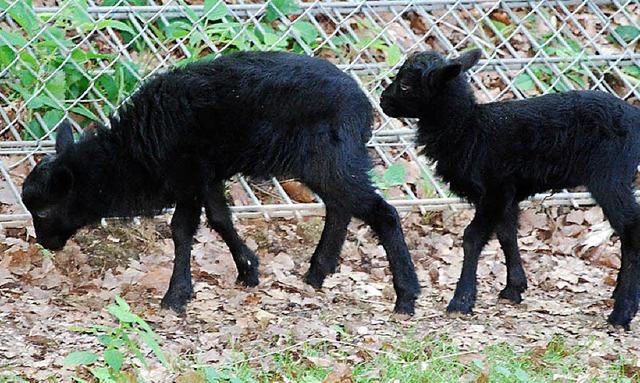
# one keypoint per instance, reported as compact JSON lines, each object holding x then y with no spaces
{"x":82,"y":58}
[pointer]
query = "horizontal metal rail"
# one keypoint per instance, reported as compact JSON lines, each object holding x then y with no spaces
{"x":248,"y":10}
{"x":403,"y":206}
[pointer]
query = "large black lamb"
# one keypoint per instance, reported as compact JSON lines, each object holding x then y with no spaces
{"x":498,"y":154}
{"x":185,"y":132}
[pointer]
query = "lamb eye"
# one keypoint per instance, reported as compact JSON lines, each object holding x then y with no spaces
{"x":42,"y":214}
{"x":404,"y":87}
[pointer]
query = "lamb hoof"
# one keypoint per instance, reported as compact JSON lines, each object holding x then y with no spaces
{"x":621,"y":318}
{"x":512,"y":294}
{"x":314,"y":280}
{"x":249,"y":278}
{"x":177,"y":298}
{"x":462,"y":306}
{"x":405,"y":307}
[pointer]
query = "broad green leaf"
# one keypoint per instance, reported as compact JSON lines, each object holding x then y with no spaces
{"x":80,"y":358}
{"x":502,"y":28}
{"x":92,"y":55}
{"x":83,"y":111}
{"x":191,"y":15}
{"x":577,"y":79}
{"x":12,"y":39}
{"x":7,"y":55}
{"x":122,"y":303}
{"x":115,"y":24}
{"x":195,"y":38}
{"x":633,"y":70}
{"x":222,"y":28}
{"x":121,"y":314}
{"x":42,"y":101}
{"x":114,"y":359}
{"x":23,"y":14}
{"x":211,"y":375}
{"x":155,"y":347}
{"x":627,"y":32}
{"x":27,"y":79}
{"x":272,"y":40}
{"x":345,"y":39}
{"x":376,"y":180}
{"x":28,"y":59}
{"x":92,"y":330}
{"x":140,"y":357}
{"x":35,"y":129}
{"x":57,"y":85}
{"x":52,"y":118}
{"x":559,"y":84}
{"x":105,"y":340}
{"x":575,"y":46}
{"x":128,"y":76}
{"x":215,"y":9}
{"x":393,"y":55}
{"x":524,"y":82}
{"x":57,"y":36}
{"x":76,"y":10}
{"x":47,"y":47}
{"x":522,"y":375}
{"x":284,"y":7}
{"x":24,"y":92}
{"x":394,"y":175}
{"x":78,"y":56}
{"x":503,"y":371}
{"x":110,"y":87}
{"x":251,"y":36}
{"x":307,"y":31}
{"x":178,"y":33}
{"x":102,"y":373}
{"x":145,"y":326}
{"x":174,"y":24}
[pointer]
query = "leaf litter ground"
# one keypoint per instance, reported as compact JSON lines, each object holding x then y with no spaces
{"x":570,"y":256}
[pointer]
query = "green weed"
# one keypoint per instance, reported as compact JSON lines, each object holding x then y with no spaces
{"x":114,"y":363}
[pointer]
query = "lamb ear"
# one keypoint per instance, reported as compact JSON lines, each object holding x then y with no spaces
{"x":438,"y":77}
{"x":61,"y":182}
{"x":468,"y":59}
{"x":64,"y":136}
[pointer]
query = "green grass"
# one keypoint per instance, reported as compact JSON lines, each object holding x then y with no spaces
{"x":421,"y":360}
{"x":432,"y":359}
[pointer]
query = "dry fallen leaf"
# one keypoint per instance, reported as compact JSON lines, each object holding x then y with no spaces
{"x":341,"y":373}
{"x":298,"y":191}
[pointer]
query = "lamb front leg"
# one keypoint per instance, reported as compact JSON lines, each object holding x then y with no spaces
{"x":476,"y":235}
{"x":183,"y":226}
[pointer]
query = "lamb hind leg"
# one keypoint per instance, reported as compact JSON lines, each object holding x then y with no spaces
{"x":623,"y":213}
{"x":355,"y":196}
{"x":507,"y":232}
{"x":183,"y":226}
{"x":385,"y":222}
{"x":626,"y":290}
{"x":219,"y":217}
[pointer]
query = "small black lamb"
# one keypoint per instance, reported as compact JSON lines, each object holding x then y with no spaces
{"x":497,"y":154}
{"x":185,"y":132}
